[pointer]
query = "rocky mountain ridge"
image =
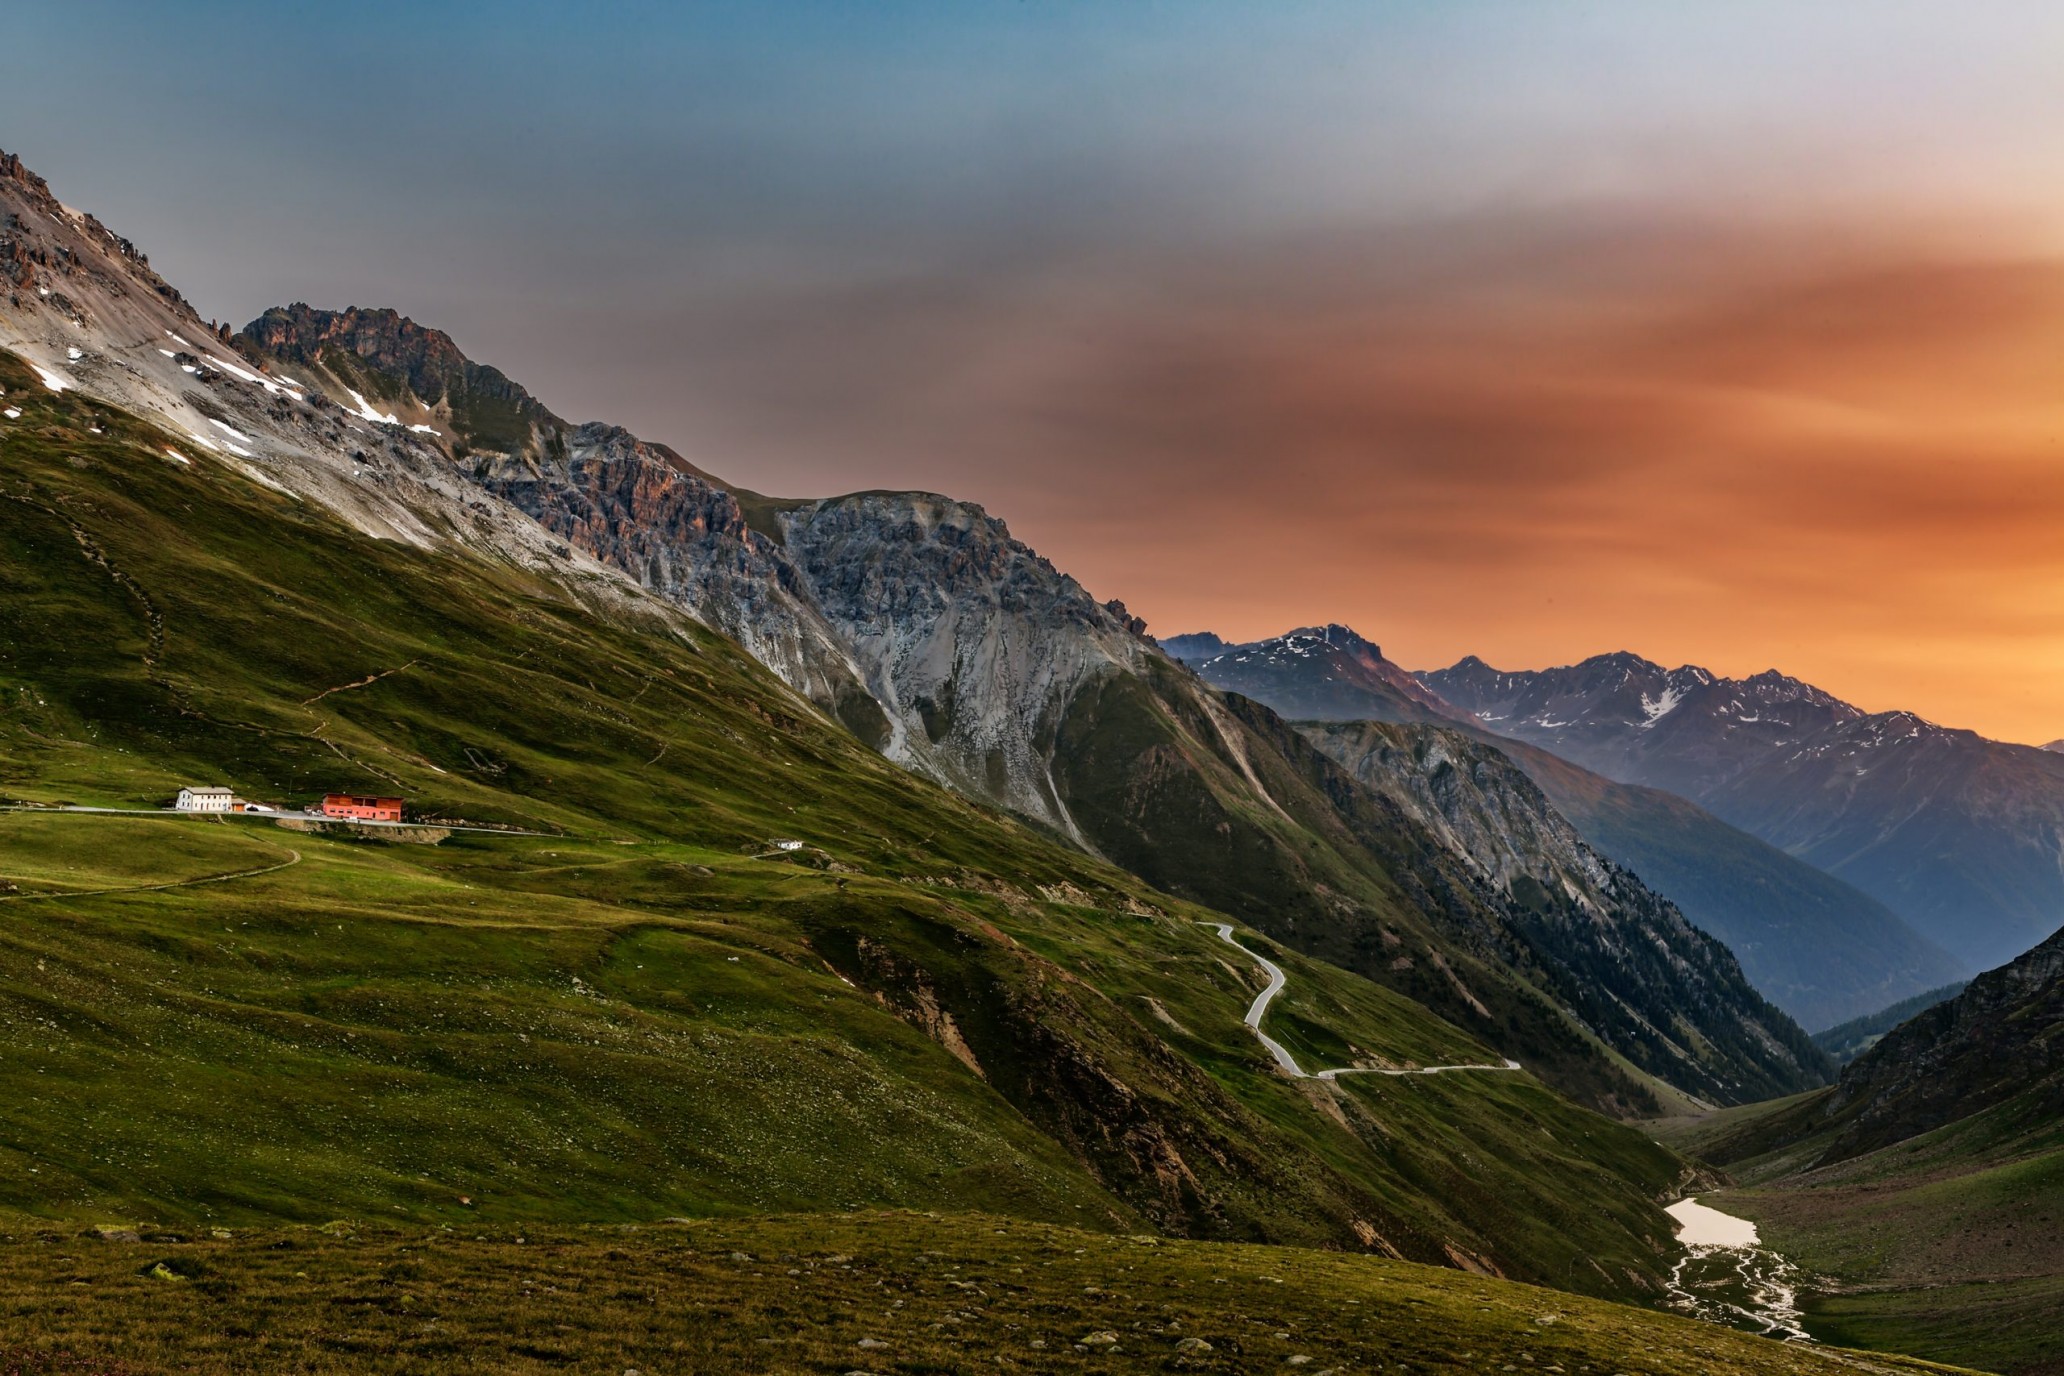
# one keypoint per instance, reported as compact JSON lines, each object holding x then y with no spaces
{"x":1654,"y":976}
{"x":1323,"y":673}
{"x":84,"y":308}
{"x":392,"y":358}
{"x":1960,"y":835}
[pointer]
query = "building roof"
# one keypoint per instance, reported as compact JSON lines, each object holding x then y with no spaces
{"x":210,"y":792}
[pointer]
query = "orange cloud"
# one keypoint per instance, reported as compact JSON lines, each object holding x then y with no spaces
{"x":1839,"y":454}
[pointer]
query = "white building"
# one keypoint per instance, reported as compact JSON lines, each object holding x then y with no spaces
{"x":205,"y":799}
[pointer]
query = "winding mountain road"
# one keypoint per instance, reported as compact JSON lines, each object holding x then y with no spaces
{"x":1288,"y":1062}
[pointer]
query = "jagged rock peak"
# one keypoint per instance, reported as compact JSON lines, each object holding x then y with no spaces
{"x":386,"y":355}
{"x":25,"y":248}
{"x":382,"y":337}
{"x":1135,"y":624}
{"x":11,"y":168}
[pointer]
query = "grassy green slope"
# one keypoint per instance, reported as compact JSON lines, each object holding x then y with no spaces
{"x":1165,"y":785}
{"x":644,"y":1014}
{"x":876,"y":1292}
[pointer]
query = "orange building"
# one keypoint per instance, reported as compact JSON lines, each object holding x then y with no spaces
{"x":358,"y":808}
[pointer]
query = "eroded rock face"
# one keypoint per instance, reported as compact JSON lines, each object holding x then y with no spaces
{"x":639,"y":508}
{"x":1478,"y":802}
{"x":1621,"y":955}
{"x":972,"y":643}
{"x":916,"y":619}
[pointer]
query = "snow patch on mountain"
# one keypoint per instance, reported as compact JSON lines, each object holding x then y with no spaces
{"x":1656,"y":708}
{"x":366,"y":410}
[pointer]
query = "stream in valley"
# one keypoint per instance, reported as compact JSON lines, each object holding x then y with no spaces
{"x":1727,"y":1276}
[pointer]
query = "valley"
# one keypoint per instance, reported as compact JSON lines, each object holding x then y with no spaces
{"x":816,"y":934}
{"x":1920,"y":1195}
{"x":648,"y":1011}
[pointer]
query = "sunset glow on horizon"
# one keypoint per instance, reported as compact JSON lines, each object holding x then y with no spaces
{"x":1729,"y":335}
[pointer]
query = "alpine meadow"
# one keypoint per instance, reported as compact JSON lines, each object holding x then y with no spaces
{"x":484,"y":891}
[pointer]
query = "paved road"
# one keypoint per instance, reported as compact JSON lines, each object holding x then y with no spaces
{"x":1288,"y":1062}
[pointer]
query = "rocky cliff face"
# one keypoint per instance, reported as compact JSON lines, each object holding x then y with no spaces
{"x":1478,"y":802}
{"x":973,"y":645}
{"x":1622,"y":956}
{"x":385,"y":356}
{"x":639,"y":508}
{"x":1961,"y":836}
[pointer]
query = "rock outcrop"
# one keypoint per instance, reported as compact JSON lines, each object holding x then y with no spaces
{"x":1623,"y":957}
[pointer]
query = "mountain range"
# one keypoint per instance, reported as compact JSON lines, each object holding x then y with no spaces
{"x":1960,"y":835}
{"x":1817,"y":947}
{"x":704,"y":951}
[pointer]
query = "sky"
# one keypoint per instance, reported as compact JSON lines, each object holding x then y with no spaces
{"x":1728,"y":333}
